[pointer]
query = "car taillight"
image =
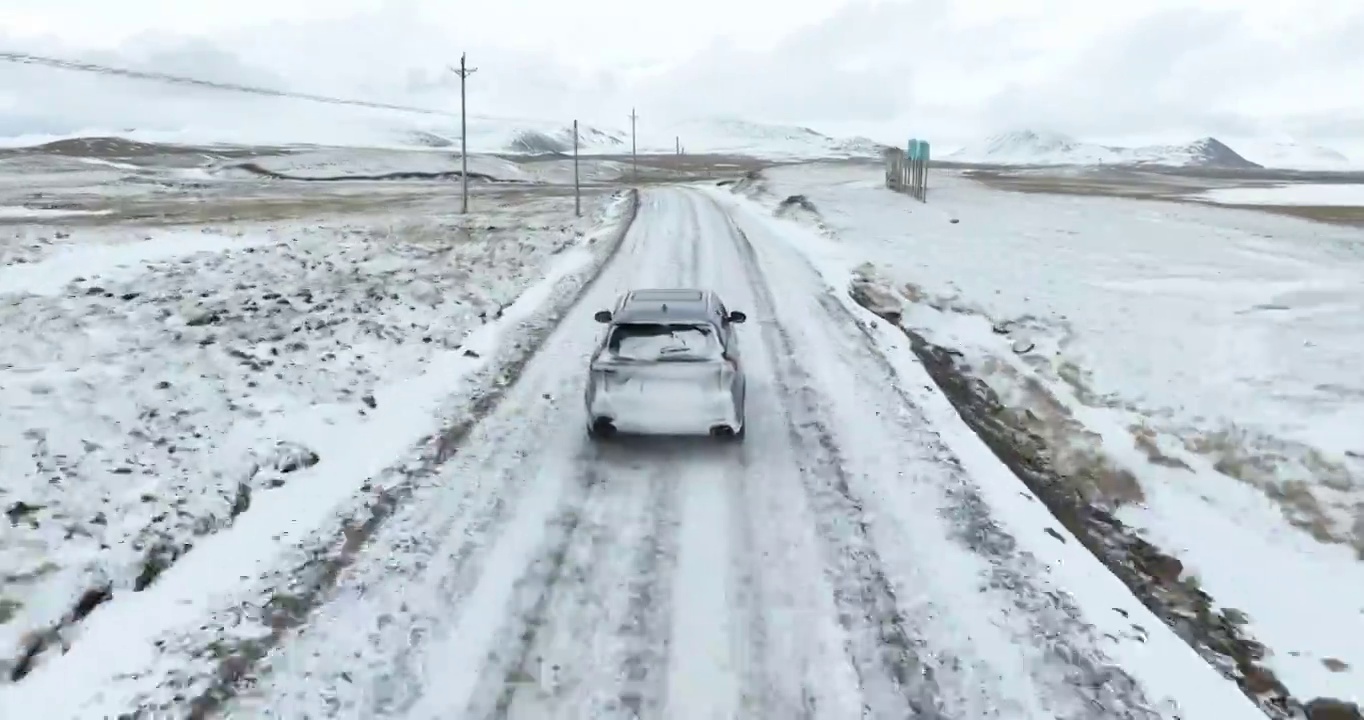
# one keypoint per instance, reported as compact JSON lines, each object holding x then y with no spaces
{"x":728,"y":369}
{"x":608,"y":377}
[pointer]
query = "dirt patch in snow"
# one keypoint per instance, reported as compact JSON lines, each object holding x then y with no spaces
{"x":1314,"y":493}
{"x":257,"y":169}
{"x":1080,"y":489}
{"x":1157,"y":186}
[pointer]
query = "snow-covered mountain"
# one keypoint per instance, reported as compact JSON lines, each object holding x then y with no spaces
{"x":1030,"y":147}
{"x":1293,"y":154}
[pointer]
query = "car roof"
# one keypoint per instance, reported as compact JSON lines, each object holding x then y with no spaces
{"x":667,"y":306}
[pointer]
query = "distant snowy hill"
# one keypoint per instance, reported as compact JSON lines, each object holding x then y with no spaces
{"x":736,"y":136}
{"x":1029,"y":147}
{"x":1291,"y":154}
{"x":348,"y":127}
{"x":373,"y":129}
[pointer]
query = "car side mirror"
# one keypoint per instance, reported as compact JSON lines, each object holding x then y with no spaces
{"x":737,"y":317}
{"x":603,"y":316}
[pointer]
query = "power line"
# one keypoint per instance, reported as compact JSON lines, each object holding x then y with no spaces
{"x":27,"y":59}
{"x":634,"y":162}
{"x":577,"y":188}
{"x":96,"y":68}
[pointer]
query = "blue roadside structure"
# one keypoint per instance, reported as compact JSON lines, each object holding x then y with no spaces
{"x":907,"y":171}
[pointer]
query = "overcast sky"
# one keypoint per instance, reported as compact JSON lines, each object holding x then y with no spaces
{"x":937,"y":68}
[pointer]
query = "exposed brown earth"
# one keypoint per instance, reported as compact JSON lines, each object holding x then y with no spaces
{"x":1173,"y":187}
{"x":1156,"y":578}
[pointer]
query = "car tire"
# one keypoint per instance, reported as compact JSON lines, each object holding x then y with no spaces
{"x":597,"y":433}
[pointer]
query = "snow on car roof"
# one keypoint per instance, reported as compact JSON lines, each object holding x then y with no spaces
{"x":668,"y":295}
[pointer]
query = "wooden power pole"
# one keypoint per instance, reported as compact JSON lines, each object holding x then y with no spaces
{"x":577,"y":189}
{"x":634,"y":161}
{"x":463,"y":72}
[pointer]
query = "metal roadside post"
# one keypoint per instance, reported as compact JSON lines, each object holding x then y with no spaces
{"x":908,"y":180}
{"x":913,"y":153}
{"x":918,"y":167}
{"x":924,"y":188}
{"x":577,"y":188}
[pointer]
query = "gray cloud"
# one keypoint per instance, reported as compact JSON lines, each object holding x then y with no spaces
{"x":897,"y":65}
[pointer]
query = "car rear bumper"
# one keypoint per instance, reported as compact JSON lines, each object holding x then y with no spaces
{"x":645,"y":414}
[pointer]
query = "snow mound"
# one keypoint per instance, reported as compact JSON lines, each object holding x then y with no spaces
{"x":1030,"y":147}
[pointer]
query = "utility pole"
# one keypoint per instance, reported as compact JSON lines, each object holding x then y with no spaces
{"x":464,"y":73}
{"x":577,"y":191}
{"x":634,"y":161}
{"x":677,"y":145}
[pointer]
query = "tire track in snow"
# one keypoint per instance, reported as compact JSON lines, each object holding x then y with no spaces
{"x":665,"y":258}
{"x":495,"y":629}
{"x":595,"y":618}
{"x":578,"y":541}
{"x":748,"y":591}
{"x":728,"y":671}
{"x":705,"y":673}
{"x":599,"y":644}
{"x":892,"y":677}
{"x":645,"y":657}
{"x":691,"y":275}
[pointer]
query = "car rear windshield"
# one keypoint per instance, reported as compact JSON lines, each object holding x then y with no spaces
{"x":649,"y":341}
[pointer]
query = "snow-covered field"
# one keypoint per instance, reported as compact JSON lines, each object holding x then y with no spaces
{"x":1341,"y":195}
{"x":166,"y":389}
{"x":1197,"y":366}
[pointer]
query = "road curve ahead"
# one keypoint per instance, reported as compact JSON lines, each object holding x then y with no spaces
{"x":837,"y":564}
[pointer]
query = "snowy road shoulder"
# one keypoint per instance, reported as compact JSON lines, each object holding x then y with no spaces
{"x":1138,"y":642}
{"x":391,"y":340}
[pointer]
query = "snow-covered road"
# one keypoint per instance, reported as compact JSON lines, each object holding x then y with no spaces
{"x":848,"y":560}
{"x":840,"y":559}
